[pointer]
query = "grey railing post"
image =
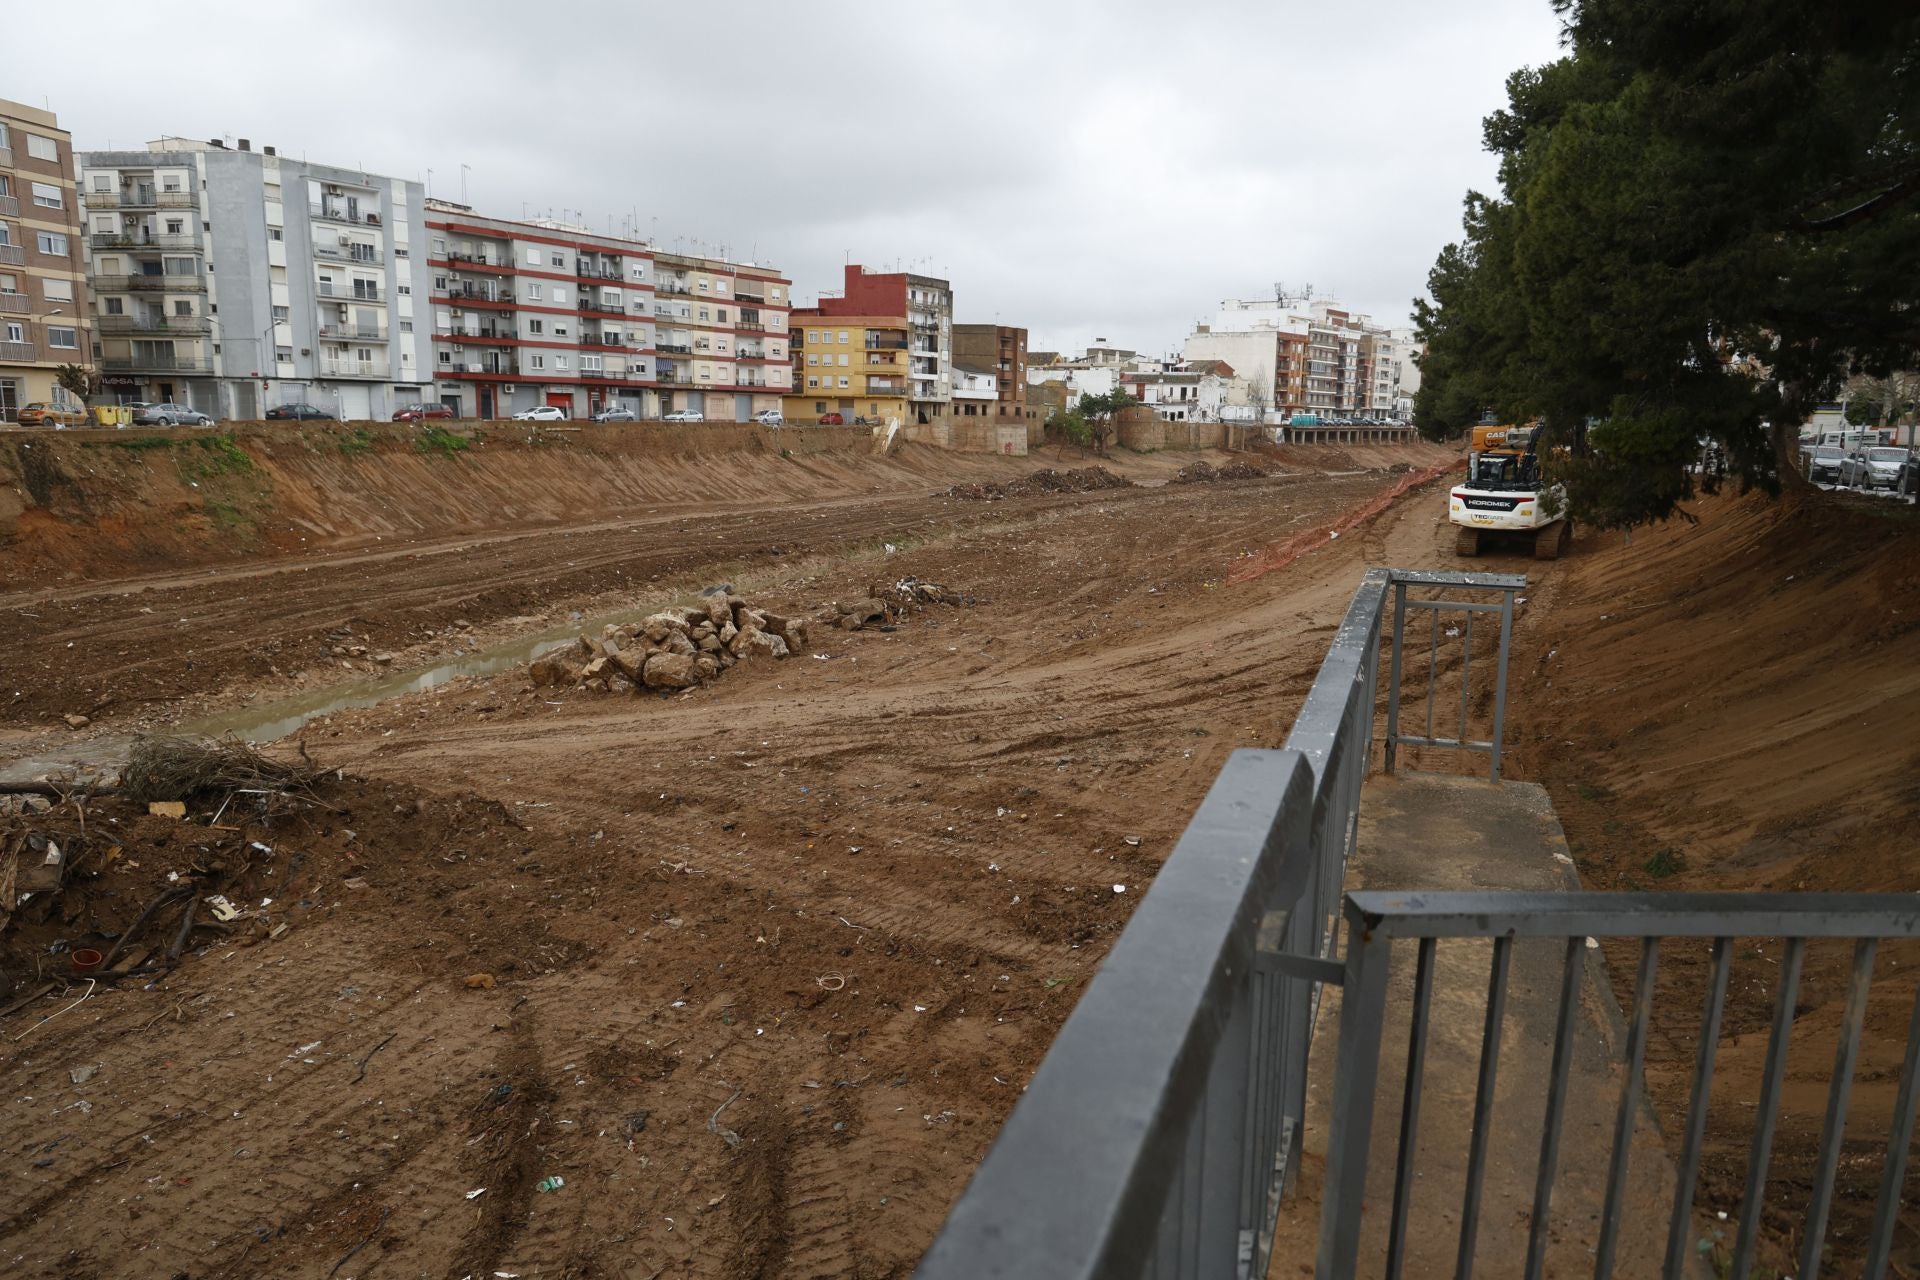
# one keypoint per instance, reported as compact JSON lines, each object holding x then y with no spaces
{"x":1393,"y":679}
{"x":1363,"y":1001}
{"x":1500,"y":680}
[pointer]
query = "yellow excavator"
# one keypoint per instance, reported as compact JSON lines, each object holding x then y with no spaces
{"x":1502,"y":496}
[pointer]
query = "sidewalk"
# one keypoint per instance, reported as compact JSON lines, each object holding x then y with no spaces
{"x":1428,"y":831}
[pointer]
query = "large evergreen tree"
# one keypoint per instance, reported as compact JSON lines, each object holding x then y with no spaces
{"x":1709,"y":217}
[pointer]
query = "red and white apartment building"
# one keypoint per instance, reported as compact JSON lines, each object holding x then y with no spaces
{"x":540,"y":312}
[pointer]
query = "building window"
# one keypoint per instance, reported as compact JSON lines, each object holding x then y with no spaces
{"x":533,"y":257}
{"x":60,"y":336}
{"x":399,"y":253}
{"x":52,"y":243}
{"x":48,"y":197}
{"x":181,"y":307}
{"x":843,"y":380}
{"x":559,"y":293}
{"x":405,"y":291}
{"x":536,"y":326}
{"x":102,"y":182}
{"x":281,"y":315}
{"x":813,"y":382}
{"x":720,"y":314}
{"x":703,"y":314}
{"x":534,"y":291}
{"x":406,"y":326}
{"x":843,"y":360}
{"x":843,"y":337}
{"x":559,"y":259}
{"x":559,"y":330}
{"x":43,"y":148}
{"x":812,"y":359}
{"x":446,"y":357}
{"x":176,"y":226}
{"x":536,"y":362}
{"x":116,"y":307}
{"x":57,"y":290}
{"x":559,"y":362}
{"x":16,"y":332}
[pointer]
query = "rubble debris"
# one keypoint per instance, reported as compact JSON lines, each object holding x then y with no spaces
{"x":169,"y":768}
{"x":167,"y":808}
{"x":1040,"y":483}
{"x":76,"y":721}
{"x":480,"y":982}
{"x":1204,"y":472}
{"x":677,"y":648}
{"x":885,"y":604}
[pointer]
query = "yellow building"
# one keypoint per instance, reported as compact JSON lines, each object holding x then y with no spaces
{"x":855,"y":366}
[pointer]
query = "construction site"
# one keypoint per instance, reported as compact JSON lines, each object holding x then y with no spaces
{"x":673,"y":853}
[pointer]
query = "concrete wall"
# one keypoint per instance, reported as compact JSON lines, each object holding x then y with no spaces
{"x":1144,"y":434}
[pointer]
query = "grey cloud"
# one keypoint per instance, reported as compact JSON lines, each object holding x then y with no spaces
{"x":1086,"y":169}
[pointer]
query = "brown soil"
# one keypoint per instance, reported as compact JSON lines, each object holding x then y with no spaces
{"x":759,"y":968}
{"x":771,"y":960}
{"x":1725,"y":705}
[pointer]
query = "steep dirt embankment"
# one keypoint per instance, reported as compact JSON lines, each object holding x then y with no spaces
{"x":96,"y":503}
{"x":1730,"y":706}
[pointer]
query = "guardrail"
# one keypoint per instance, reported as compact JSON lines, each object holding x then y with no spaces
{"x":1164,"y":1126}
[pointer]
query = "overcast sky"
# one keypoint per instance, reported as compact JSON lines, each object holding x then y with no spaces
{"x":1086,"y":169}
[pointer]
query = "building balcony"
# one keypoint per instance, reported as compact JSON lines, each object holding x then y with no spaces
{"x":9,"y":206}
{"x":12,"y":255}
{"x":18,"y":353}
{"x":368,"y":294}
{"x":340,"y":213}
{"x":137,"y":363}
{"x":590,"y":306}
{"x":475,"y":262}
{"x":672,"y":286}
{"x":156,"y":326}
{"x":596,"y":271}
{"x":886,"y":344}
{"x":670,"y":378}
{"x":673,"y":349}
{"x":139,"y":198}
{"x":352,"y":333}
{"x":141,"y":240}
{"x":743,"y":295}
{"x":15,"y":302}
{"x":6,"y":157}
{"x":365,"y":254}
{"x":476,"y":298}
{"x":600,"y":342}
{"x":149,"y":284}
{"x":354,"y":369}
{"x":885,"y":387}
{"x":478,"y":335}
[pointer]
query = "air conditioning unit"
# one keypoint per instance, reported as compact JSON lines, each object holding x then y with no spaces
{"x":332,"y":190}
{"x":506,"y":389}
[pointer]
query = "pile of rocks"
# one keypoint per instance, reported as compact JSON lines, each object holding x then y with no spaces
{"x":676,"y":648}
{"x":1203,"y":472}
{"x":1046,"y":481}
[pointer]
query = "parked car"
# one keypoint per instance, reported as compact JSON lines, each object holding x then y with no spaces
{"x":611,"y":414}
{"x":1824,"y":462}
{"x":541,"y":413}
{"x":40,"y":414}
{"x":299,"y":413}
{"x":422,"y":411}
{"x":685,"y":415}
{"x":770,"y":418}
{"x":171,"y":415}
{"x":1877,"y":467}
{"x":832,"y":420}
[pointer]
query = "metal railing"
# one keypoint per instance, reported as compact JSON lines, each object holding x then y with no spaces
{"x":19,"y":352}
{"x":142,"y":240}
{"x":160,"y":283}
{"x":340,"y":213}
{"x":156,"y":364}
{"x":12,"y":255}
{"x":155,"y":326}
{"x":10,"y":206}
{"x":1376,"y":919}
{"x":1161,"y":1131}
{"x":15,"y":302}
{"x":325,"y":293}
{"x":142,"y":198}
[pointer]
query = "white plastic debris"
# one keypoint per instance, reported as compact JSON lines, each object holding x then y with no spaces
{"x":1119,"y":888}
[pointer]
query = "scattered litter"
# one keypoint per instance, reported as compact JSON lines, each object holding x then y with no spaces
{"x":476,"y":1193}
{"x":830,"y":982}
{"x":1132,"y":840}
{"x":1119,"y":888}
{"x":222,"y":909}
{"x":305,"y":1049}
{"x":355,"y":882}
{"x":167,"y":808}
{"x":80,"y":1075}
{"x":545,"y":1185}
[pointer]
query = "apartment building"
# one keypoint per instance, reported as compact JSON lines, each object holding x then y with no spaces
{"x":235,"y":280}
{"x":923,"y":307}
{"x":44,"y":320}
{"x":854,"y":366}
{"x":1001,"y":350}
{"x":1314,"y":358}
{"x":542,"y":312}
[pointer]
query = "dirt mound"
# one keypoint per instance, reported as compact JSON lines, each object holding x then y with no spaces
{"x":1041,"y":483}
{"x":1204,"y":472}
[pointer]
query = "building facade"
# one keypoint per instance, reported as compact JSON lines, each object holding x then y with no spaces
{"x":235,"y":280}
{"x":44,"y":317}
{"x":976,"y":392}
{"x":1001,"y":350}
{"x":1318,"y":358}
{"x":854,"y":366}
{"x":923,"y":306}
{"x":541,"y":312}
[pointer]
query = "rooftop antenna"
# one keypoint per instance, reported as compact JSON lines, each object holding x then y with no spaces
{"x":463,"y":183}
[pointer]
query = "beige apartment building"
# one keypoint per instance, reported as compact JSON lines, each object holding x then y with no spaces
{"x":43,"y":294}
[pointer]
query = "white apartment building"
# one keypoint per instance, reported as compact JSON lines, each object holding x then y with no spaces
{"x":235,"y":280}
{"x":1315,"y":358}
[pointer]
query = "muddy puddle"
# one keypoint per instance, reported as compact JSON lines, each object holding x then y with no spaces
{"x":273,"y":720}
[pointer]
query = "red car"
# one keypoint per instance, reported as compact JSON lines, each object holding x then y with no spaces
{"x":832,"y":420}
{"x":423,"y":411}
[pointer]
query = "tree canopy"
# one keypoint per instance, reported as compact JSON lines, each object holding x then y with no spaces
{"x":1707,"y":221}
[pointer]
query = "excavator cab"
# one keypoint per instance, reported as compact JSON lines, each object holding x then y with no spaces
{"x":1501,"y":496}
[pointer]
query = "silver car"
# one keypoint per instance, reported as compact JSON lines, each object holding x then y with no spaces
{"x":171,"y":415}
{"x":1875,"y":467}
{"x":1824,"y":462}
